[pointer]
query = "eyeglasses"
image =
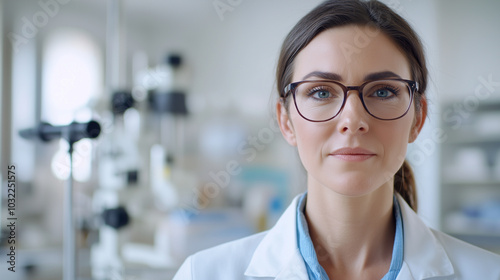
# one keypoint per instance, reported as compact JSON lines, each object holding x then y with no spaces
{"x":323,"y":100}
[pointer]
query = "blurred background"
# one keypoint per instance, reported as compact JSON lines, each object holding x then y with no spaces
{"x":189,"y":155}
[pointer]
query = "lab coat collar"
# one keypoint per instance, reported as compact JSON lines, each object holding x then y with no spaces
{"x":424,"y":255}
{"x":277,"y":254}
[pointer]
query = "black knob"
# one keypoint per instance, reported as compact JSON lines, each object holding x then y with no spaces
{"x":116,"y":217}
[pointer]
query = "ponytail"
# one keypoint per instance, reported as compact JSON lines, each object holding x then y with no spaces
{"x":404,"y":184}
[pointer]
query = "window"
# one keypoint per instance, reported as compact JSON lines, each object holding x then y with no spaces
{"x":71,"y":75}
{"x":71,"y":80}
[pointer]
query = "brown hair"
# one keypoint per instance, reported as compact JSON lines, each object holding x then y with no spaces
{"x":335,"y":13}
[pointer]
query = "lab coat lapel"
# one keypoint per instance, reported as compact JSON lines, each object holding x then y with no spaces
{"x":277,"y":255}
{"x":424,"y":255}
{"x":405,"y":273}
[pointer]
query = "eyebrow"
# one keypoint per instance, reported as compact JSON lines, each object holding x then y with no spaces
{"x":337,"y":77}
{"x":381,"y":75}
{"x":323,"y":75}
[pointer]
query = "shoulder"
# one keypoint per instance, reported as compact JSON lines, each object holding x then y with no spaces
{"x":264,"y":254}
{"x":432,"y":253}
{"x":468,"y":260}
{"x":234,"y":251}
{"x":231,"y":258}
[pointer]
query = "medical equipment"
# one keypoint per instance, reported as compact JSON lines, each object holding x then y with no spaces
{"x":118,"y":172}
{"x":167,"y":104}
{"x":72,"y":133}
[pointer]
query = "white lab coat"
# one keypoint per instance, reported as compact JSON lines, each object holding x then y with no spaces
{"x":273,"y":254}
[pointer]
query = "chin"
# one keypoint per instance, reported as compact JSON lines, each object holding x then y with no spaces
{"x":355,"y":183}
{"x":353,"y":187}
{"x":353,"y":192}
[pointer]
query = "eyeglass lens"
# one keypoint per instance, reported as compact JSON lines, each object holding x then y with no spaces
{"x":384,"y":99}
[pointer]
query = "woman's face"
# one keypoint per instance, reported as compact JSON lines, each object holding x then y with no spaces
{"x":354,"y":153}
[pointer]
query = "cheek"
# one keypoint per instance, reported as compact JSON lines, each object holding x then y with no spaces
{"x":395,"y":138}
{"x":311,"y":139}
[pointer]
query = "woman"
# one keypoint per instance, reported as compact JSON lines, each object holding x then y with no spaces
{"x":351,"y":79}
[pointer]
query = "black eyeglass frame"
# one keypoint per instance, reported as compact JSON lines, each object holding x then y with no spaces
{"x":412,"y":88}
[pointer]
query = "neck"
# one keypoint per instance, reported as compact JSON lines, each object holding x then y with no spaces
{"x":352,"y":235}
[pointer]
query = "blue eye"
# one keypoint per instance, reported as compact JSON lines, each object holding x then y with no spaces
{"x":321,"y":94}
{"x":321,"y":91}
{"x":382,"y":93}
{"x":385,"y":92}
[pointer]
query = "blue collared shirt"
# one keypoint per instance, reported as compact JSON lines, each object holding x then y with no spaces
{"x":306,"y":247}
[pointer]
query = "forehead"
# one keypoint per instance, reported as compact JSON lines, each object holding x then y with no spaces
{"x":352,"y":52}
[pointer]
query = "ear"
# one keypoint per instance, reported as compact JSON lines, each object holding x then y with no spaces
{"x":285,"y":124}
{"x":420,"y":117}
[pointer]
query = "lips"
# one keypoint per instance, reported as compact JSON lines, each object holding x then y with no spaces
{"x":352,"y":154}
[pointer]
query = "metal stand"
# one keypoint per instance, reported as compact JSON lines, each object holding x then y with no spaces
{"x":72,"y":132}
{"x":69,"y":245}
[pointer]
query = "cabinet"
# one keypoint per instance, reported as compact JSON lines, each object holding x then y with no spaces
{"x":470,"y":172}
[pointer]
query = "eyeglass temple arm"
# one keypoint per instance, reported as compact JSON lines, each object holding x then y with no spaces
{"x":287,"y":90}
{"x":416,"y":86}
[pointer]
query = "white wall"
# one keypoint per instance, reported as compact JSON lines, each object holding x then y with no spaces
{"x":470,"y":38}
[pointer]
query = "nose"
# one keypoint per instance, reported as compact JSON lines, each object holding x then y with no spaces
{"x":353,"y":118}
